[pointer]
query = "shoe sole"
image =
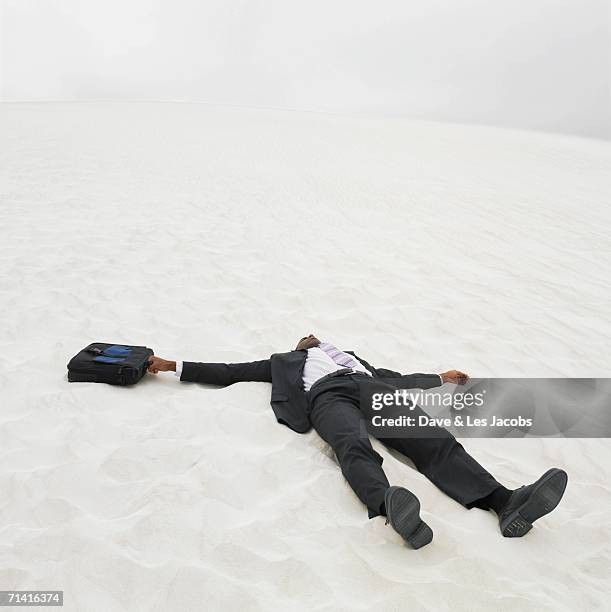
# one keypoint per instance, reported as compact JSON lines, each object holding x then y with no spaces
{"x":543,"y":499}
{"x":404,"y":517}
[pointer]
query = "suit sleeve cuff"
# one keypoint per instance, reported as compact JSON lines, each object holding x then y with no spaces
{"x":178,"y":368}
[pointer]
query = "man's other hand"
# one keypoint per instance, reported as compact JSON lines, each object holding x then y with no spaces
{"x":455,"y":376}
{"x":157,"y":364}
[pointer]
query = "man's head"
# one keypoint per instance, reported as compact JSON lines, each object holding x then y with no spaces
{"x":307,"y":342}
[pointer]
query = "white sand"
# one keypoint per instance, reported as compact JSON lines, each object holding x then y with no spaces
{"x":226,"y":234}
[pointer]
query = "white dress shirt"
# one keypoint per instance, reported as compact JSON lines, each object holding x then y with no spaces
{"x":319,"y":364}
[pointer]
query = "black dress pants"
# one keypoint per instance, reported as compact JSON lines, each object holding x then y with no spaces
{"x":334,"y":413}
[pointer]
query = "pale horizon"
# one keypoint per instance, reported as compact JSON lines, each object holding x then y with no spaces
{"x":543,"y":67}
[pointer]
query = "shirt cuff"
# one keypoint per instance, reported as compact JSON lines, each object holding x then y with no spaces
{"x":178,"y":368}
{"x":440,"y":376}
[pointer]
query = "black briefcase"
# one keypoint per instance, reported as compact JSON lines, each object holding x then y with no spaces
{"x":115,"y":364}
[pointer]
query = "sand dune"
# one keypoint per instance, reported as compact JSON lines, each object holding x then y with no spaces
{"x":216,"y":234}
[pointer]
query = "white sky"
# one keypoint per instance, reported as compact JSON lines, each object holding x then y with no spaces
{"x":543,"y":64}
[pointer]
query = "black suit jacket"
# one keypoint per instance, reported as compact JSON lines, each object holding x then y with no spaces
{"x":285,"y":371}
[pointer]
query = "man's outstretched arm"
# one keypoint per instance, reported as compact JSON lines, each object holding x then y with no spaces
{"x":424,"y":381}
{"x":222,"y":374}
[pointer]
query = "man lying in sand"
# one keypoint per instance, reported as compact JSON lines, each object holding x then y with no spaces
{"x":317,"y":385}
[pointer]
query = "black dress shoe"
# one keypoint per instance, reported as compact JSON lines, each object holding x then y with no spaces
{"x":403,"y":513}
{"x":529,"y":503}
